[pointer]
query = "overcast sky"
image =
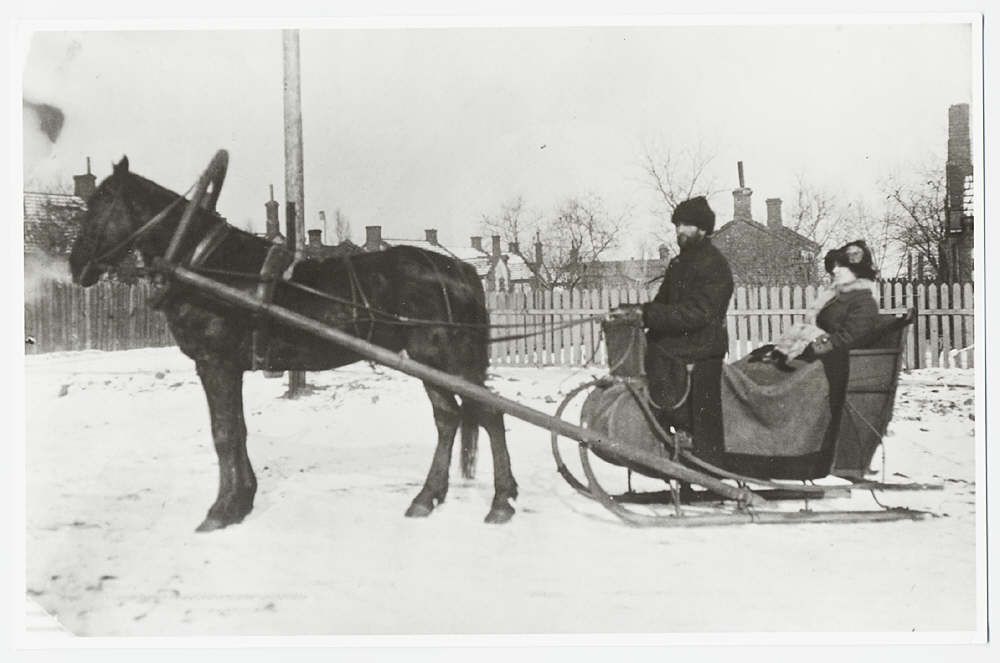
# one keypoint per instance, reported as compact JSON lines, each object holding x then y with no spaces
{"x":431,"y":128}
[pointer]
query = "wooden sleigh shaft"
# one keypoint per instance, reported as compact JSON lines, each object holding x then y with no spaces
{"x":459,"y":386}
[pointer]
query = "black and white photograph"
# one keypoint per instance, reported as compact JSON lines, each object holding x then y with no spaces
{"x":373,"y":327}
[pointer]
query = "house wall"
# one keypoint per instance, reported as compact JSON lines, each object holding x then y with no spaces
{"x":756,"y":256}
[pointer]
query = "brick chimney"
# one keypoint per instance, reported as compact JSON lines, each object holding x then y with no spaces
{"x":959,"y":164}
{"x":273,"y":227}
{"x":496,"y":246}
{"x":959,"y":146}
{"x":431,"y":234}
{"x":477,"y":242}
{"x":85,"y":185}
{"x":315,"y":237}
{"x":373,"y":238}
{"x":741,"y":198}
{"x":773,"y":213}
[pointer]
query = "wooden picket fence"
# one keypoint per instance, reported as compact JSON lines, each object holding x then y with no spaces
{"x":943,"y":334}
{"x":60,"y":317}
{"x":115,"y":316}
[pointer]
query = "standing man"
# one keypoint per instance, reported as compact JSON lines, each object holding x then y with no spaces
{"x":687,"y":337}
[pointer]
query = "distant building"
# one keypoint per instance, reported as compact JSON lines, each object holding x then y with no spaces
{"x":51,"y":220}
{"x":500,"y":271}
{"x":625,"y":274}
{"x":956,"y":248}
{"x":763,"y":254}
{"x":314,"y":248}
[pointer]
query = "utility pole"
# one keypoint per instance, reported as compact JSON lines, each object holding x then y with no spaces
{"x":294,"y":191}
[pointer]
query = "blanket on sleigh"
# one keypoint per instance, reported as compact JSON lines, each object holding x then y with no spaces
{"x":775,"y":413}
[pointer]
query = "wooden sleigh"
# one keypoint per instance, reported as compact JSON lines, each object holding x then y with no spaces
{"x":618,"y":406}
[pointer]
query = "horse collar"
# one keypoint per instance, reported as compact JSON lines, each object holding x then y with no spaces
{"x":209,"y":243}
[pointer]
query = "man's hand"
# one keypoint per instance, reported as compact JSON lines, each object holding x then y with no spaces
{"x":626,"y":312}
{"x":821,"y":344}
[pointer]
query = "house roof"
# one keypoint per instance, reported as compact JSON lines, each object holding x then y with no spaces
{"x":58,"y":208}
{"x":39,"y":206}
{"x":323,"y":251}
{"x":784,"y":233}
{"x":640,"y":271}
{"x":480,"y":260}
{"x":519,"y":268}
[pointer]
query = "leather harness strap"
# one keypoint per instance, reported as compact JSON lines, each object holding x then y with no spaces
{"x":444,"y":290}
{"x":209,"y":243}
{"x":277,"y":260}
{"x":358,"y":291}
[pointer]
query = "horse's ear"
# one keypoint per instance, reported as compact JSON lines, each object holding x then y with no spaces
{"x":121,"y":167}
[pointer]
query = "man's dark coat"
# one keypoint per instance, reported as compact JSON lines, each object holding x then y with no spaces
{"x":687,"y":318}
{"x":686,"y":324}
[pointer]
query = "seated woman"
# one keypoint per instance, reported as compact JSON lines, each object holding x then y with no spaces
{"x":843,"y":313}
{"x":781,"y":407}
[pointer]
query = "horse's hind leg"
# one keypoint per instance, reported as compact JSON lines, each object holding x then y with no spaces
{"x":447,"y":418}
{"x":505,"y":488}
{"x":237,"y":483}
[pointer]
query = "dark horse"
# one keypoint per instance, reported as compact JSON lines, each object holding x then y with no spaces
{"x":406,"y":286}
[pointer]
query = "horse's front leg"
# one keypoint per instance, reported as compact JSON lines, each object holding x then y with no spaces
{"x":237,"y":484}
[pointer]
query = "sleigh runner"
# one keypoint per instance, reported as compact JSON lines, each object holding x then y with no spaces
{"x":284,"y":316}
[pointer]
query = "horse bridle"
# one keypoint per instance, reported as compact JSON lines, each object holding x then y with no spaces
{"x":134,"y":235}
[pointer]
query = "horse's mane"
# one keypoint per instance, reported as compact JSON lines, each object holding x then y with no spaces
{"x":153,"y":189}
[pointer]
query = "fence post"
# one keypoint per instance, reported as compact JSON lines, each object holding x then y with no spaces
{"x":743,"y":322}
{"x":920,"y":324}
{"x":958,"y":325}
{"x":969,"y":303}
{"x":946,"y":324}
{"x":933,"y":322}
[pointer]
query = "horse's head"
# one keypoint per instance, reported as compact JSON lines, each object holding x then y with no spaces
{"x":106,"y":225}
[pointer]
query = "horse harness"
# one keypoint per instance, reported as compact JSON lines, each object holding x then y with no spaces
{"x":279,"y":264}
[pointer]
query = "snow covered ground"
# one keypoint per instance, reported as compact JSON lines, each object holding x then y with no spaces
{"x":120,"y":470}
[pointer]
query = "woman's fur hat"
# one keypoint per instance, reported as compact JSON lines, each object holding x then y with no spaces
{"x":855,"y":256}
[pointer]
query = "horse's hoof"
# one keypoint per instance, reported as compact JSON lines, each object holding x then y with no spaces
{"x":210,"y":524}
{"x":499,"y":514}
{"x":418,"y":510}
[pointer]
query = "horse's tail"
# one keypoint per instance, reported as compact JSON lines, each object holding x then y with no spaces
{"x":470,"y":438}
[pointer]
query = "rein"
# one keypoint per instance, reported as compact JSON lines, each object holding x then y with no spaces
{"x":403,"y":321}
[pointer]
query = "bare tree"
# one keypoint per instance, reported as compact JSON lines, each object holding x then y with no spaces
{"x":916,"y":217}
{"x":342,"y":226}
{"x":581,"y":232}
{"x":815,"y":212}
{"x":514,"y":221}
{"x":577,"y":235}
{"x":677,"y":173}
{"x":821,"y":216}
